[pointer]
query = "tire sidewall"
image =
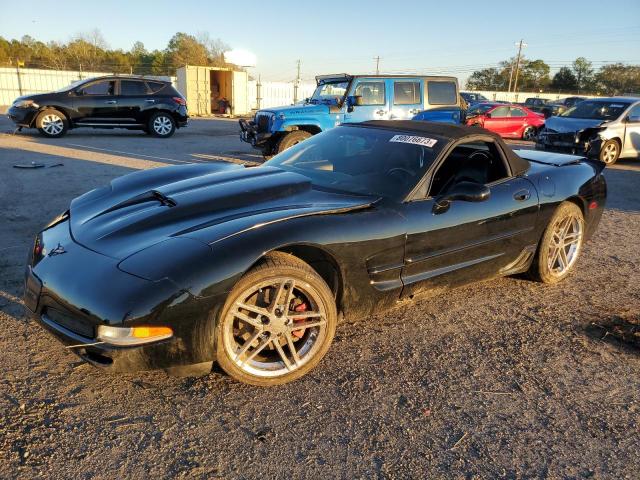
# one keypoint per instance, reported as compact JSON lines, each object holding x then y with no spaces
{"x":291,"y":139}
{"x":252,"y":277}
{"x":153,"y":131}
{"x":52,"y":111}
{"x":542,"y":262}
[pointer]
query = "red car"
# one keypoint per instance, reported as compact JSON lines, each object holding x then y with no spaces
{"x":509,"y":121}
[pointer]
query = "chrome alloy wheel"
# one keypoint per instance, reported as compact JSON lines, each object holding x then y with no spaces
{"x":565,"y":245}
{"x":274,"y":327}
{"x":162,"y":125}
{"x":529,"y":134}
{"x":610,"y":152}
{"x":52,"y":124}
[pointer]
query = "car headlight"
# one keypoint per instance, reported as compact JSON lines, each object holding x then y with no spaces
{"x":280,"y":116}
{"x":26,"y":104}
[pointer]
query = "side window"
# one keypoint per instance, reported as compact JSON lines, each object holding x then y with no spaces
{"x":478,"y":162}
{"x":499,"y":112}
{"x":442,"y":93}
{"x":406,"y":93}
{"x":132,"y":87}
{"x":372,"y":93}
{"x":155,"y":86}
{"x":517,"y":112}
{"x":106,"y":87}
{"x":635,"y":113}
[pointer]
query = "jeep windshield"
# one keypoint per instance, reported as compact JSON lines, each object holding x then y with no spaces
{"x":362,"y":160}
{"x":597,"y":110}
{"x":330,"y":93}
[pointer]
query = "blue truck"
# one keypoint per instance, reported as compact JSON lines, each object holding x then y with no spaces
{"x":346,"y":98}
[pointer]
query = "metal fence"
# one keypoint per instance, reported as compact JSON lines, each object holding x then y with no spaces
{"x":274,"y":94}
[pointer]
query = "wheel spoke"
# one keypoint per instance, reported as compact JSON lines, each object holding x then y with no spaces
{"x":292,"y":348}
{"x":287,"y":363}
{"x":263,"y":343}
{"x":308,"y":324}
{"x":554,"y":257}
{"x":298,"y":316}
{"x":248,"y":343}
{"x":254,"y":322}
{"x":563,"y":258}
{"x":252,"y":308}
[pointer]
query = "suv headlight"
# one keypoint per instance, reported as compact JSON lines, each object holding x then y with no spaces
{"x":25,"y":104}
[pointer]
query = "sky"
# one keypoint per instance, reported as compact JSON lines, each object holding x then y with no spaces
{"x":409,"y":36}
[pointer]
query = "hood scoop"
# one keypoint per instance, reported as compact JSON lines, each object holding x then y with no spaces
{"x":150,"y":196}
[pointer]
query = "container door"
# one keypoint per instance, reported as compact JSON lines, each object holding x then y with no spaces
{"x":239,"y":100}
{"x":374,"y":101}
{"x":406,"y":98}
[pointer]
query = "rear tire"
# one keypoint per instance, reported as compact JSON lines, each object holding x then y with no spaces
{"x":560,"y":246}
{"x":52,"y":123}
{"x":610,"y":152}
{"x":290,"y":139}
{"x":256,"y":336}
{"x":161,"y":125}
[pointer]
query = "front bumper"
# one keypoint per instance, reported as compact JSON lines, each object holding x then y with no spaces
{"x":249,"y":134}
{"x":23,"y":117}
{"x":71,"y":290}
{"x":572,"y":143}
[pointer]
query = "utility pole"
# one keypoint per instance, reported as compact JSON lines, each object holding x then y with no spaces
{"x":296,"y":84}
{"x":510,"y":77}
{"x":515,"y":82}
{"x":377,"y":59}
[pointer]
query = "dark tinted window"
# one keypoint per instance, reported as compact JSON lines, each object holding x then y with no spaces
{"x":132,"y":87}
{"x":155,"y":86}
{"x":517,"y":112}
{"x":106,"y":87}
{"x":372,"y":93}
{"x":363,"y":160}
{"x":597,"y":109}
{"x":442,"y":93}
{"x":500,"y":112}
{"x":406,"y":93}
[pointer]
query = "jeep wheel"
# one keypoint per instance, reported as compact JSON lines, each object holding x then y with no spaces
{"x":291,"y":139}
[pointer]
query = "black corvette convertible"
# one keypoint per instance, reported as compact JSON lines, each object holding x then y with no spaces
{"x":177,"y":267}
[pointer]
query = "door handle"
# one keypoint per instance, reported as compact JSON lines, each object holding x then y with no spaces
{"x":413,"y":111}
{"x":150,"y":100}
{"x":381,"y":112}
{"x":522,"y":195}
{"x":111,"y":102}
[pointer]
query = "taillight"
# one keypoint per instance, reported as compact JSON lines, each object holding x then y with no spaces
{"x":180,"y":100}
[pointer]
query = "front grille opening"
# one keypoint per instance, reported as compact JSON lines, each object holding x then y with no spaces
{"x":77,"y":325}
{"x":97,"y":358}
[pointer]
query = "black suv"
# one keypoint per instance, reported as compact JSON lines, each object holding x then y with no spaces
{"x":134,"y":103}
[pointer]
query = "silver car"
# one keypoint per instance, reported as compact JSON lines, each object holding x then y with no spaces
{"x":604,"y":128}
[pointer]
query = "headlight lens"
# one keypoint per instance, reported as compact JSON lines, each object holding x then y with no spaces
{"x":25,"y":104}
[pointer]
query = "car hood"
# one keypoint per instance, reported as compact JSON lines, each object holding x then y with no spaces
{"x":568,"y":124}
{"x":306,"y":109}
{"x":38,"y":97}
{"x":204,"y":201}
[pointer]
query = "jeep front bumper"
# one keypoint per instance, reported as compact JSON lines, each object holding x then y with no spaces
{"x":249,"y":133}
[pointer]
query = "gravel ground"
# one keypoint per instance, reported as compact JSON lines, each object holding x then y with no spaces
{"x":503,"y":379}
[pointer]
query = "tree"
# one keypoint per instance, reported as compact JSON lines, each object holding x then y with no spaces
{"x":535,"y":75}
{"x":564,"y":80}
{"x":618,"y":79}
{"x":486,"y":79}
{"x":184,"y":49}
{"x":583,"y":72}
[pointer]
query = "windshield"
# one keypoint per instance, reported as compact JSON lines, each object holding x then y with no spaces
{"x":362,"y":160}
{"x":71,"y":86}
{"x":480,"y":108}
{"x":596,"y":110}
{"x":329,"y":93}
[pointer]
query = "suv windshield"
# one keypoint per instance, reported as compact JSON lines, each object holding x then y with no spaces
{"x":363,"y":160}
{"x":596,"y":110}
{"x":329,"y":93}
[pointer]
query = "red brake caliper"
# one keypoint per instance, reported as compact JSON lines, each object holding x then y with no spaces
{"x":299,"y":308}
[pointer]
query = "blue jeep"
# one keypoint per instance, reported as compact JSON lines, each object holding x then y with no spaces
{"x":349,"y":99}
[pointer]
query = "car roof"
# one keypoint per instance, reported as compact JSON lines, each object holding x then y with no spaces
{"x":128,"y":77}
{"x":615,"y":99}
{"x":347,"y":76}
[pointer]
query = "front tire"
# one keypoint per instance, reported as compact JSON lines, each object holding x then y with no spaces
{"x":51,"y":123}
{"x":161,"y":125}
{"x":277,"y":324}
{"x":529,"y":134}
{"x":290,"y":139}
{"x":560,"y":246}
{"x":610,"y":152}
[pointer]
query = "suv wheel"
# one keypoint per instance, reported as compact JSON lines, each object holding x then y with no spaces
{"x":52,"y":123}
{"x":291,"y":139}
{"x":162,"y":125}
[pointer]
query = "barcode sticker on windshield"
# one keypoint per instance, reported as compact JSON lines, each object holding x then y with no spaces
{"x":424,"y":141}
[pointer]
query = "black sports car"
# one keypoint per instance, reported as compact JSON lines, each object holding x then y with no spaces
{"x":252,"y":267}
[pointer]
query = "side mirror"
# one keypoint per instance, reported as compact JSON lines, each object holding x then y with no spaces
{"x":354,"y":101}
{"x":463,"y":191}
{"x":78,"y":92}
{"x":488,"y":115}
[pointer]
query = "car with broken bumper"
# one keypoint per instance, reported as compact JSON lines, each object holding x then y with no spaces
{"x":182,"y":266}
{"x":603,"y":128}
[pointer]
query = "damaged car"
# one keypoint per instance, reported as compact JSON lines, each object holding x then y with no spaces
{"x":603,"y":128}
{"x":182,"y":266}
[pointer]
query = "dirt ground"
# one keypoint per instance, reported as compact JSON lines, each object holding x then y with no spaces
{"x":504,"y":379}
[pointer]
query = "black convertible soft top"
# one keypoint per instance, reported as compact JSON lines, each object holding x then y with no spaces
{"x":452,"y":132}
